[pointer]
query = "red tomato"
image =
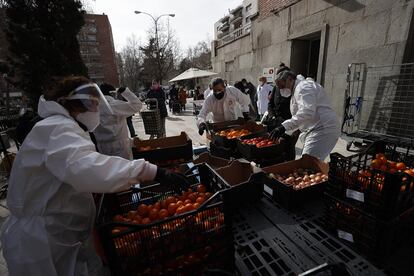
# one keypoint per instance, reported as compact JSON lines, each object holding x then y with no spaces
{"x":201,"y":188}
{"x":172,"y":208}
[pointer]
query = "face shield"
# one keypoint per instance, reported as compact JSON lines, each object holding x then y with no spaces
{"x":91,"y":98}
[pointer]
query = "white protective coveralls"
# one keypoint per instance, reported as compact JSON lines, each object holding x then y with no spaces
{"x":112,"y":135}
{"x":52,"y":211}
{"x":263,"y":92}
{"x":230,"y":107}
{"x":207,"y":93}
{"x":313,"y":115}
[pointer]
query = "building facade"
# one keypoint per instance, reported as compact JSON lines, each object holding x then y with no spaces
{"x":317,"y":38}
{"x":97,"y":49}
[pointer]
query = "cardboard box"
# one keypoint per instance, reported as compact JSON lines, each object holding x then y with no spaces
{"x":284,"y":194}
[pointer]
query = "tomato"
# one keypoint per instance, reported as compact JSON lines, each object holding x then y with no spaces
{"x":379,"y":155}
{"x":180,"y":210}
{"x":201,"y":188}
{"x":116,"y":231}
{"x":157,"y":205}
{"x":163,"y":213}
{"x":170,"y":200}
{"x":164,"y":204}
{"x":119,"y":218}
{"x":410,"y":172}
{"x":383,"y":168}
{"x":392,"y":170}
{"x":143,"y":210}
{"x":187,"y":201}
{"x":172,"y":208}
{"x":192,"y":197}
{"x":392,"y":164}
{"x":146,"y":221}
{"x":400,"y":166}
{"x":383,"y":160}
{"x":200,"y":199}
{"x":375,"y":163}
{"x":180,"y":203}
{"x":189,"y":207}
{"x":153,"y":214}
{"x":137,"y":220}
{"x":208,"y":195}
{"x":196,"y":205}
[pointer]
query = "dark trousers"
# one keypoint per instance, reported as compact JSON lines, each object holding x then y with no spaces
{"x":131,"y":127}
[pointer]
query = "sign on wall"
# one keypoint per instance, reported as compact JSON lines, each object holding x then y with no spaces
{"x":269,"y":73}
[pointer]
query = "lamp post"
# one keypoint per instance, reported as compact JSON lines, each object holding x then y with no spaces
{"x":155,"y":19}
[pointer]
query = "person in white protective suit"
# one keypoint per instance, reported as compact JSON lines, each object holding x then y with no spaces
{"x":312,"y":114}
{"x":263,"y":91}
{"x":112,"y":135}
{"x":53,"y":177}
{"x":224,"y":103}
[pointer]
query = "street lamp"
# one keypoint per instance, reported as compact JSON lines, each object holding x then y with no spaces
{"x":155,"y":19}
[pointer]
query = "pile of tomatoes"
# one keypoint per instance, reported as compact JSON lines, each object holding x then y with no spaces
{"x":260,"y":142}
{"x":301,"y":178}
{"x":170,"y":206}
{"x":233,"y":133}
{"x":381,"y":163}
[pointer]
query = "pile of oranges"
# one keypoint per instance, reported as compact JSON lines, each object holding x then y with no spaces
{"x":170,"y":206}
{"x":233,"y":133}
{"x":381,"y":163}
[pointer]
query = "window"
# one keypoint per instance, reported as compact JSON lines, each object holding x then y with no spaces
{"x":229,"y":66}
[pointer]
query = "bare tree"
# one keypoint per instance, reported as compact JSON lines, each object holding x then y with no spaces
{"x":161,"y":53}
{"x":131,"y":60}
{"x":198,"y":56}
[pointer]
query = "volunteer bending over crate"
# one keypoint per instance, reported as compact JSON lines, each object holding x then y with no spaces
{"x":312,"y":114}
{"x":112,"y":134}
{"x":223,"y":104}
{"x":54,"y":175}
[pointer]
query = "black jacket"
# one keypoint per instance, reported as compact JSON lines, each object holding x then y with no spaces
{"x":278,"y":107}
{"x":159,"y":94}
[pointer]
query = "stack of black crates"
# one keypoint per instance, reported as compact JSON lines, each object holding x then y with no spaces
{"x":368,"y":203}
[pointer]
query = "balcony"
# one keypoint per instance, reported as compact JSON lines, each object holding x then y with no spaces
{"x":233,"y":35}
{"x":224,"y":27}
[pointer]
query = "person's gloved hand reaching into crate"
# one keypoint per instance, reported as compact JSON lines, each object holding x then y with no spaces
{"x":178,"y":181}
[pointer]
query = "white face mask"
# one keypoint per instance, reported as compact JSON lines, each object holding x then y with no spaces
{"x":285,"y":92}
{"x":89,"y":119}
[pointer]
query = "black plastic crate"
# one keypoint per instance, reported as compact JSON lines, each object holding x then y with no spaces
{"x":380,"y":193}
{"x":285,"y":194}
{"x":373,"y":237}
{"x":165,"y":151}
{"x":223,"y":152}
{"x":251,"y":152}
{"x":192,"y":242}
{"x":223,"y":141}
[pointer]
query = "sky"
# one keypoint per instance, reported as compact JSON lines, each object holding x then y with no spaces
{"x":193,"y":22}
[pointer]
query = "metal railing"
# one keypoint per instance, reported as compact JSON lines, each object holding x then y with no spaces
{"x":234,"y":35}
{"x":379,"y":101}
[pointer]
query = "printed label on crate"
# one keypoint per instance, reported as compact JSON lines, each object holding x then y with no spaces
{"x":345,"y":235}
{"x":355,"y":195}
{"x":268,"y":190}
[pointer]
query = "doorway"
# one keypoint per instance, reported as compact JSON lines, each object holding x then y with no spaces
{"x":304,"y":58}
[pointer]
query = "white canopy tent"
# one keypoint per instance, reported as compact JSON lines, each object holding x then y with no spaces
{"x":193,"y":73}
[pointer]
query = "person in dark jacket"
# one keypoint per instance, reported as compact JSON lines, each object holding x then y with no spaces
{"x":251,"y":90}
{"x":156,"y":92}
{"x":279,"y":111}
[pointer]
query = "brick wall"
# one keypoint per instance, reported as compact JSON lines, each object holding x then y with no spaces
{"x":266,"y":7}
{"x":102,"y":63}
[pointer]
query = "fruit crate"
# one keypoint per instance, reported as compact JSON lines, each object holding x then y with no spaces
{"x":223,"y":152}
{"x":382,"y":192}
{"x":285,"y":194}
{"x":188,"y":243}
{"x":242,"y":182}
{"x":223,"y":141}
{"x":251,"y":152}
{"x":375,"y":238}
{"x":165,"y":151}
{"x":213,"y":161}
